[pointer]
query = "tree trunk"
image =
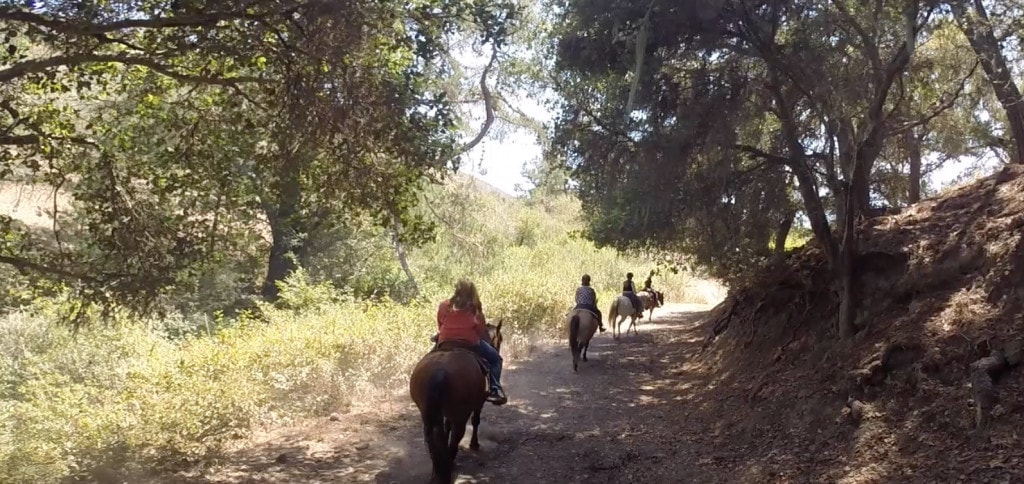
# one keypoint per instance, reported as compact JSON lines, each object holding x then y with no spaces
{"x":396,"y":226}
{"x":975,"y":23}
{"x":282,"y":260}
{"x":848,"y":294}
{"x":913,"y":140}
{"x":287,"y":246}
{"x":783,"y":233}
{"x":860,"y":189}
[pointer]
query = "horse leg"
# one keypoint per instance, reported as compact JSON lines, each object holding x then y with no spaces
{"x":436,"y":436}
{"x":585,"y":348}
{"x":458,"y":432}
{"x":474,"y":442}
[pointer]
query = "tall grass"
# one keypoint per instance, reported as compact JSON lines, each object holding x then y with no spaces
{"x":149,"y":395}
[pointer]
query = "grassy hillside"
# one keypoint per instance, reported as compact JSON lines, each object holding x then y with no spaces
{"x":176,"y":389}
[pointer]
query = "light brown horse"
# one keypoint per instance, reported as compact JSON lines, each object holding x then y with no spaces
{"x":582,"y":325}
{"x":621,"y":309}
{"x":449,"y":386}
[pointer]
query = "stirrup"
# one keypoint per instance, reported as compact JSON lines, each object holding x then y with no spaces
{"x":497,"y":397}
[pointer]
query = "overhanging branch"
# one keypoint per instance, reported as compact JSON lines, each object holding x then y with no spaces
{"x":764,"y":155}
{"x":26,"y":267}
{"x":488,"y":104}
{"x":942,"y":106}
{"x":24,"y":68}
{"x":14,"y":14}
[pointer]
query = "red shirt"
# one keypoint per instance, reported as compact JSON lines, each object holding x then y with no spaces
{"x":463,"y":325}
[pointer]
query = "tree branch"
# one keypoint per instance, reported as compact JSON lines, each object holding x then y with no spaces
{"x":488,"y":104}
{"x":941,"y":107}
{"x":26,"y":267}
{"x":768,"y":157}
{"x":32,"y":139}
{"x":33,"y":66}
{"x":158,"y":22}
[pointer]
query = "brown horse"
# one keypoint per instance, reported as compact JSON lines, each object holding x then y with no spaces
{"x":649,"y":300}
{"x":448,"y":386}
{"x":582,"y":326}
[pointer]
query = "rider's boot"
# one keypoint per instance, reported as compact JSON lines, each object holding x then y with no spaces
{"x":497,"y":396}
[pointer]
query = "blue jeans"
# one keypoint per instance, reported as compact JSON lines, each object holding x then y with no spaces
{"x":494,"y":359}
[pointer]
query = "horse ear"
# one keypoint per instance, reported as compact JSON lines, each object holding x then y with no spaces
{"x":499,"y":323}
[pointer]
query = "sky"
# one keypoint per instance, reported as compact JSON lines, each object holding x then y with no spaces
{"x":500,"y":162}
{"x":502,"y":156}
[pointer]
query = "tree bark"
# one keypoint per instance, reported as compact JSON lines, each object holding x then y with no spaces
{"x":282,"y":260}
{"x":396,"y":226}
{"x":974,"y":21}
{"x":287,"y":246}
{"x":849,"y":301}
{"x":783,"y":233}
{"x":913,"y":141}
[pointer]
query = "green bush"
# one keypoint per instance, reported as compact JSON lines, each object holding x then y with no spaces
{"x":130,"y":394}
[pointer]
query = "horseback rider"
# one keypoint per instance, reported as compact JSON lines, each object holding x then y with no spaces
{"x":629,"y":290}
{"x":648,"y":288}
{"x":461,"y":319}
{"x":586,"y":298}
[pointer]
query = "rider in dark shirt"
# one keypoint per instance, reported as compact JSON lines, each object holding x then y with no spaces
{"x":629,"y":290}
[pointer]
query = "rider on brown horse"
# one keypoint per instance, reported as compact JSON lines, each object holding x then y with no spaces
{"x":659,"y":298}
{"x":461,"y":319}
{"x":586,"y":298}
{"x":629,"y":290}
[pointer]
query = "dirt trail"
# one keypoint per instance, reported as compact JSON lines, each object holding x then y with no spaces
{"x":622,"y":418}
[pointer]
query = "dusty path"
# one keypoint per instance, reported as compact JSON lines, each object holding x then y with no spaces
{"x":622,"y":418}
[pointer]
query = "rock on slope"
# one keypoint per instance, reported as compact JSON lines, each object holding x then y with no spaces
{"x":941,"y":324}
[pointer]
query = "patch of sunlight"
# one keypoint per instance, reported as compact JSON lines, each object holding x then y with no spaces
{"x":966,"y":307}
{"x":648,"y":400}
{"x":875,"y":439}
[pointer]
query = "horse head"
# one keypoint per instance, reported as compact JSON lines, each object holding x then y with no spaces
{"x":494,"y":335}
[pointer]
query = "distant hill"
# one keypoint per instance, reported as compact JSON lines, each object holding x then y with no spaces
{"x":482,"y":186}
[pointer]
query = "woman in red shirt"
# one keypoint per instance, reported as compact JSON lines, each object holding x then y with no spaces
{"x":461,"y":318}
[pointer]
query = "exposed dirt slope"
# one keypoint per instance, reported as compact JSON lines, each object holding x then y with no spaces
{"x":943,"y":288}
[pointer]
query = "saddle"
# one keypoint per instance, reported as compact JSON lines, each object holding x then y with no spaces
{"x":587,"y":310}
{"x":460,"y":346}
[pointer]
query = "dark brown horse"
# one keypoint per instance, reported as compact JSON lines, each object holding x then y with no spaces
{"x":448,"y":386}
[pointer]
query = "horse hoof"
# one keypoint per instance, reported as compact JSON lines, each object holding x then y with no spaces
{"x":474,"y":446}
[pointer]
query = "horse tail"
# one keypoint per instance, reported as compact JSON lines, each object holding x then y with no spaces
{"x":574,"y":334}
{"x":612,"y":310}
{"x":433,"y":421}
